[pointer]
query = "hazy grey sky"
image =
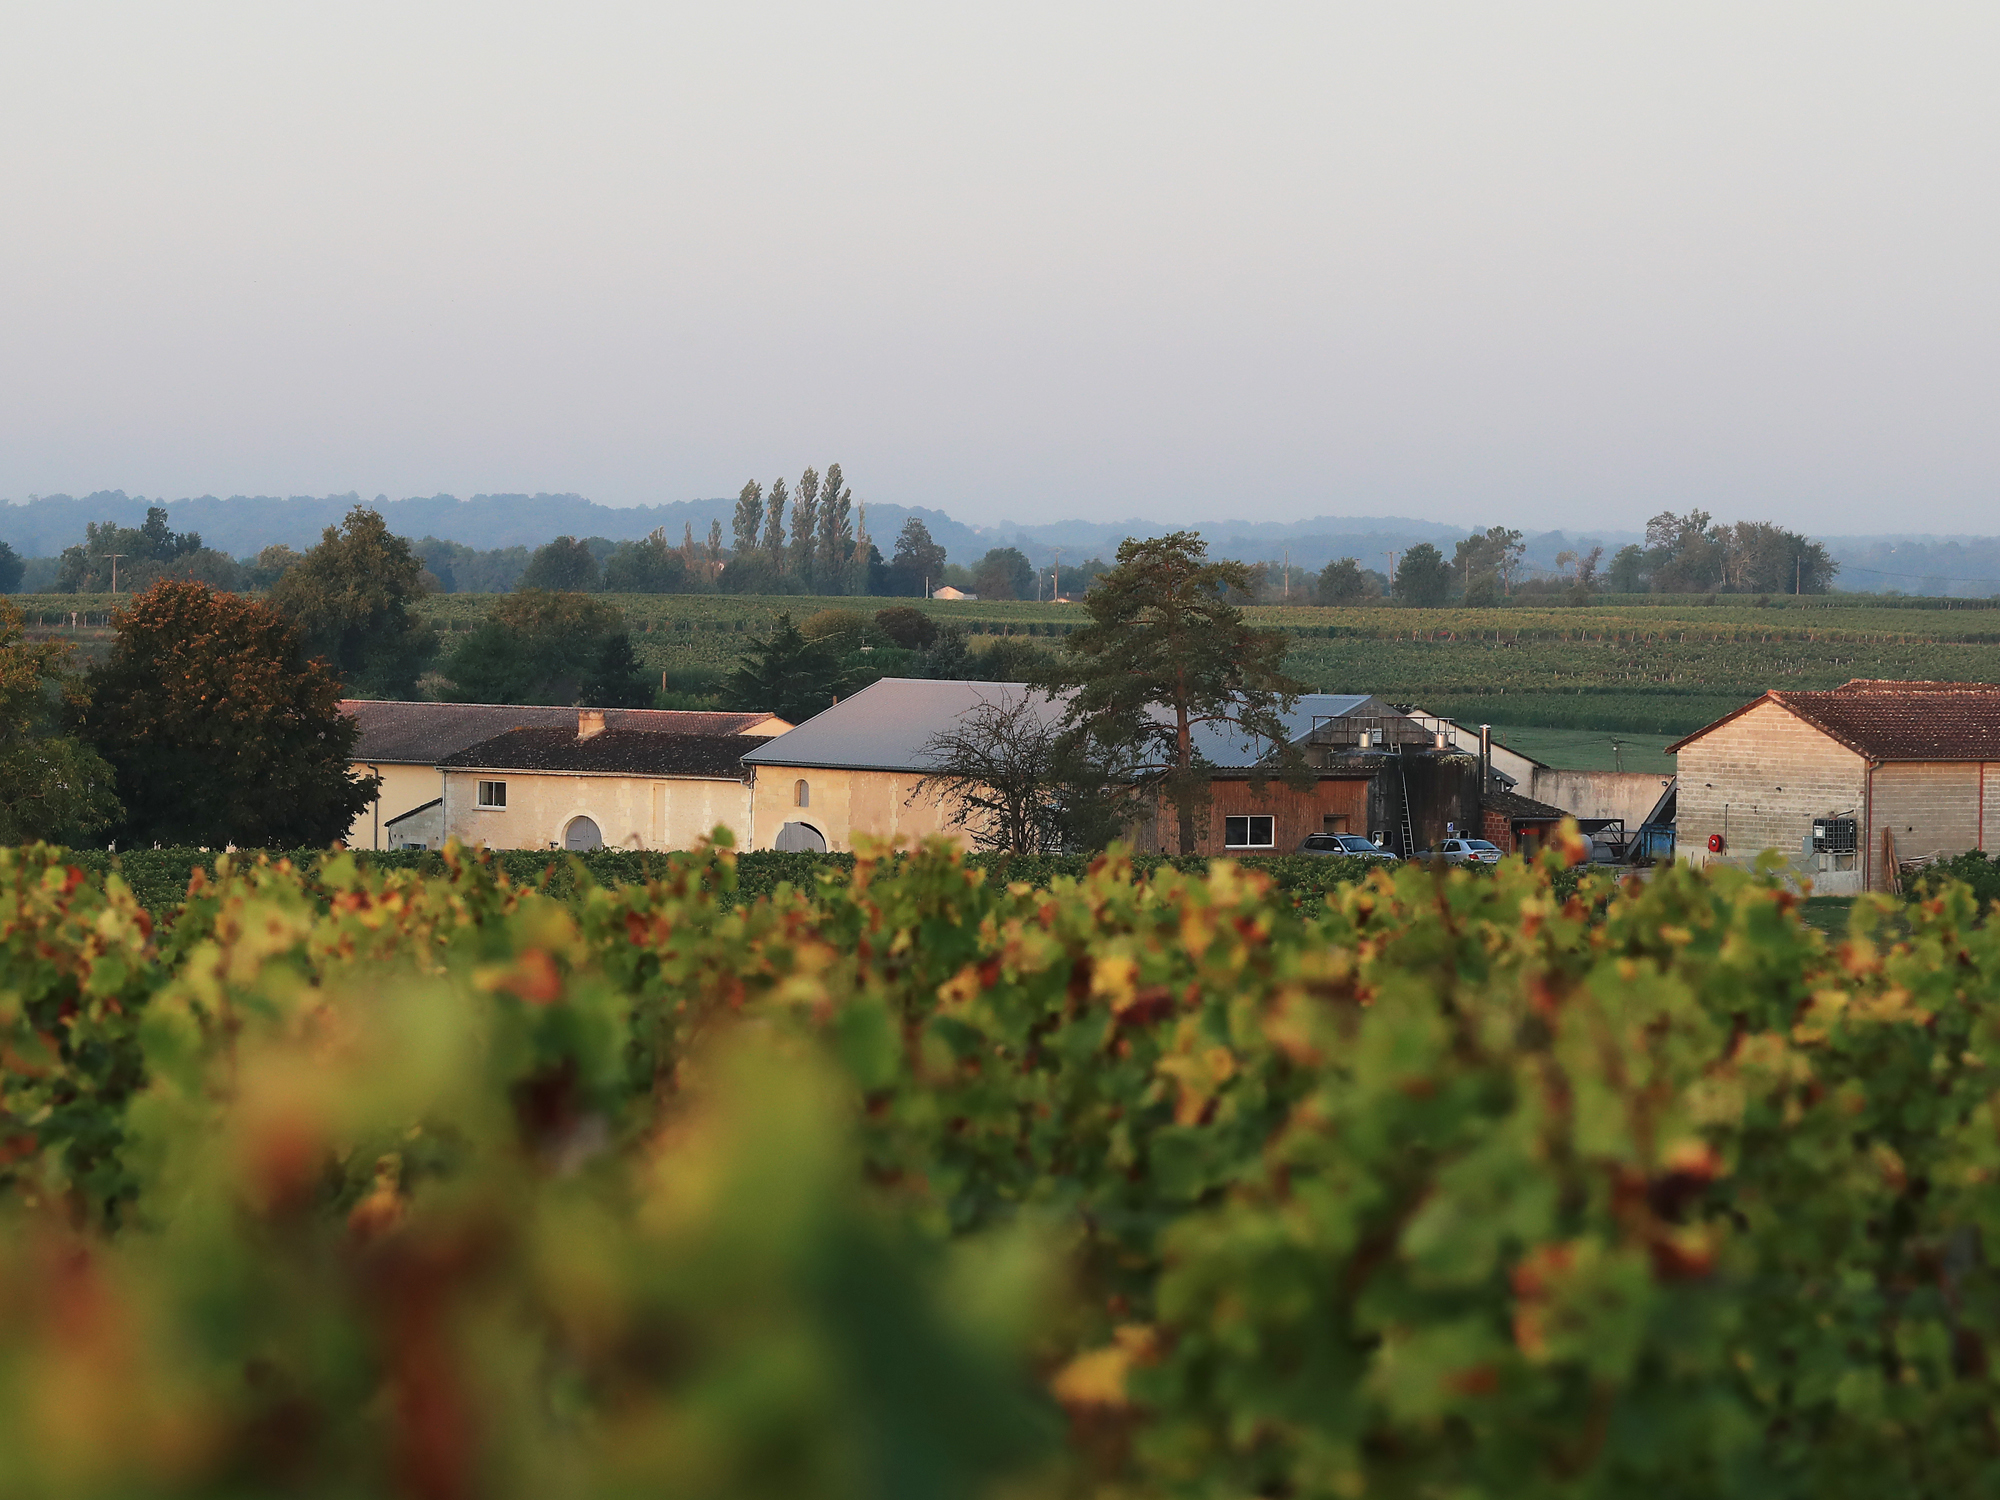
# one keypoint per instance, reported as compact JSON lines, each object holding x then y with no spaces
{"x":1554,"y":264}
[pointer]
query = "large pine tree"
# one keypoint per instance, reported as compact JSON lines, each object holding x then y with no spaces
{"x":1166,"y":653}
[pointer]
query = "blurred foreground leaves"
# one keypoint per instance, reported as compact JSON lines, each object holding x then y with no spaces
{"x":915,"y":1183}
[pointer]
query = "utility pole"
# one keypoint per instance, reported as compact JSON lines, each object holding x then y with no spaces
{"x":114,"y":556}
{"x":1392,"y":570}
{"x":1057,"y":585}
{"x":1798,"y":573}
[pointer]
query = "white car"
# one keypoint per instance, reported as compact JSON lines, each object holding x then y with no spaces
{"x":1353,"y":845}
{"x":1465,"y":852}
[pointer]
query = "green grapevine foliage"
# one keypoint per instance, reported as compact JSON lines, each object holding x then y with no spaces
{"x":915,"y":1178}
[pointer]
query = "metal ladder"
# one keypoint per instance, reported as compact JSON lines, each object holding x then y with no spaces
{"x":1409,"y":833}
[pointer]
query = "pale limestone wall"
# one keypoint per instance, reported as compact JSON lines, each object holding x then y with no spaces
{"x":631,"y":812}
{"x":403,"y":787}
{"x":880,"y":804}
{"x":1932,"y":808}
{"x":1775,"y":774}
{"x":1599,"y":794}
{"x":1989,"y":812}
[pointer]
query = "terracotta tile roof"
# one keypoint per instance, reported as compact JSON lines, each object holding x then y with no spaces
{"x":615,"y":752}
{"x":1908,"y":721}
{"x":424,"y":734}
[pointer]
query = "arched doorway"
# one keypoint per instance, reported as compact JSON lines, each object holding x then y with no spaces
{"x":799,"y":838}
{"x":582,"y":834}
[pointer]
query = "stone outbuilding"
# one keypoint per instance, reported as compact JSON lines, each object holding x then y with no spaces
{"x":1850,"y":785}
{"x":403,"y":744}
{"x":587,"y":786}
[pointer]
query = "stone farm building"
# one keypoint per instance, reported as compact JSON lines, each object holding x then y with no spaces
{"x":635,"y":792}
{"x":1848,"y":784}
{"x":857,"y":769}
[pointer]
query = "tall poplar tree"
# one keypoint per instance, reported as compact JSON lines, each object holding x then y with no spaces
{"x":836,"y":533}
{"x":805,"y":525}
{"x":749,"y":516}
{"x":1166,"y":653}
{"x":774,"y":524}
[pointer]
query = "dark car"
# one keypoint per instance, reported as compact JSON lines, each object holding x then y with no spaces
{"x":1350,"y":844}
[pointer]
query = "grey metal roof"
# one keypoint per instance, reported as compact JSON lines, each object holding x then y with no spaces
{"x":886,"y":725}
{"x":423,"y":734}
{"x":1225,"y":746}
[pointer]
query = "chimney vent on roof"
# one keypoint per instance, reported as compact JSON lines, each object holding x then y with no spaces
{"x":589,"y":723}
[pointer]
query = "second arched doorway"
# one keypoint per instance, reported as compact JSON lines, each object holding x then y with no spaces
{"x":582,"y":834}
{"x":799,"y":838}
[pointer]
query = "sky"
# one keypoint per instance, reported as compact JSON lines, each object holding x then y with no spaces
{"x":1541,"y":264}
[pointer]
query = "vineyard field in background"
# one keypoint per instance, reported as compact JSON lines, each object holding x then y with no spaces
{"x":1653,"y":666}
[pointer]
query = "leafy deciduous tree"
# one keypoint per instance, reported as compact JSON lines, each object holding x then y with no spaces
{"x":1627,"y":574}
{"x":218,"y":727}
{"x":350,"y":597}
{"x":649,"y":566}
{"x":1010,"y":775}
{"x":1342,"y":582}
{"x":563,"y":566}
{"x":805,"y":527}
{"x":1423,"y":577}
{"x":774,"y":524}
{"x":917,"y":560}
{"x":749,"y":516}
{"x":834,"y":550}
{"x":542,"y":647}
{"x":51,"y":786}
{"x":1004,"y":573}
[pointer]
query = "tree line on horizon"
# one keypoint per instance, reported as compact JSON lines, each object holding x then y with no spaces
{"x":215,"y":718}
{"x":811,"y":539}
{"x":1683,"y":554}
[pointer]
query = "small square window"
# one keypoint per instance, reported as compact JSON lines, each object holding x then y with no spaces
{"x":1333,"y":823}
{"x":1247,"y":833}
{"x":492,"y":794}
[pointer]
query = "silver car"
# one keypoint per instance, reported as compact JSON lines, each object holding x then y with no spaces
{"x":1353,"y":845}
{"x":1464,"y":852}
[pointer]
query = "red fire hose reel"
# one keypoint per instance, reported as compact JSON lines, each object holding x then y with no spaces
{"x":1715,"y":843}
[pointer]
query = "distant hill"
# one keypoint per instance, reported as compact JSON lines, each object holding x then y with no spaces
{"x":243,"y":525}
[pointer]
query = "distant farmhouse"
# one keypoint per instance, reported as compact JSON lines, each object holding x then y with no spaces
{"x":533,"y":777}
{"x":530,"y":777}
{"x":1850,"y":785}
{"x":857,"y":769}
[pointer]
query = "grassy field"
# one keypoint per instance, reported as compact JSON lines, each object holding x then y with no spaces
{"x":1653,"y":668}
{"x":1590,"y":749}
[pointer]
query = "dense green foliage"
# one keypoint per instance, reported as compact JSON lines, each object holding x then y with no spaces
{"x":436,"y":1184}
{"x":351,"y":598}
{"x":538,"y":647}
{"x":52,"y":786}
{"x":217,"y":727}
